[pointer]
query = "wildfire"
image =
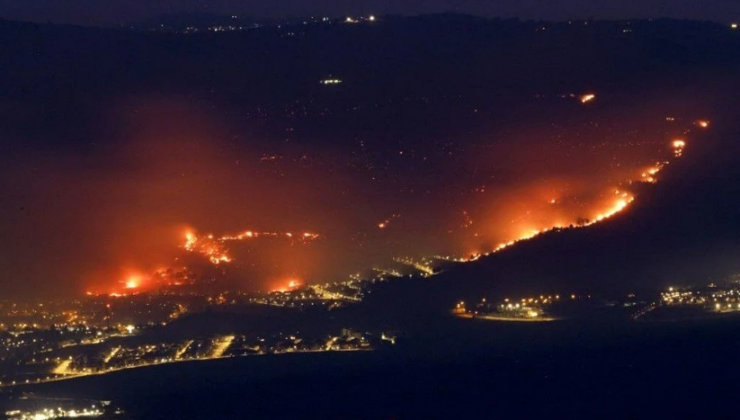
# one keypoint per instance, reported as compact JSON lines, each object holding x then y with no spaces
{"x":552,"y":211}
{"x":385,"y":223}
{"x":211,"y":248}
{"x":215,"y":250}
{"x":623,"y":200}
{"x":617,"y":207}
{"x":649,"y":174}
{"x":302,"y":237}
{"x":587,"y":98}
{"x":292,"y":284}
{"x":678,"y":146}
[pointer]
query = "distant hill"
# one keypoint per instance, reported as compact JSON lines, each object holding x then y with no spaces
{"x":183,"y":21}
{"x":683,"y":231}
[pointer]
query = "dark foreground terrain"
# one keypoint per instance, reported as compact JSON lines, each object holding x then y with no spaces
{"x":464,"y":370}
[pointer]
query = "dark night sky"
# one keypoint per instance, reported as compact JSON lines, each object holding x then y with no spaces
{"x":95,"y":12}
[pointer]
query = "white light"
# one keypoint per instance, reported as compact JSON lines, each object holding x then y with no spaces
{"x":331,"y":81}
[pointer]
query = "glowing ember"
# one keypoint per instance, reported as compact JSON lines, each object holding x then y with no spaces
{"x":303,"y":237}
{"x":292,"y":284}
{"x":678,"y":146}
{"x":212,"y":249}
{"x":215,"y":250}
{"x":587,"y":98}
{"x":385,"y":223}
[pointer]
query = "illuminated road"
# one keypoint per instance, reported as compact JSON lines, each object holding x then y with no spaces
{"x":221,"y":347}
{"x":426,"y":269}
{"x":644,"y":311}
{"x":183,"y":349}
{"x":63,"y":368}
{"x":111,"y":355}
{"x":328,"y":295}
{"x":507,"y":318}
{"x":66,"y":374}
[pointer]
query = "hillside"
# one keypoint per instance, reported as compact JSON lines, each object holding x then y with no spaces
{"x":681,"y":231}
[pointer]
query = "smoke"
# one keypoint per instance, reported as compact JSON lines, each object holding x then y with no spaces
{"x":91,"y":217}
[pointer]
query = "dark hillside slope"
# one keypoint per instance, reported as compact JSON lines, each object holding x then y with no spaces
{"x":684,"y":230}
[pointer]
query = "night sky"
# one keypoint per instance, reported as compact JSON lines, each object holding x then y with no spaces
{"x":94,"y":12}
